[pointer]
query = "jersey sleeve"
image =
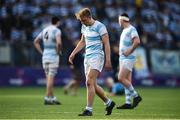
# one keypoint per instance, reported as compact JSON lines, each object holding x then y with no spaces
{"x":82,"y":29}
{"x":58,"y":32}
{"x":134,"y":33}
{"x":40,"y":35}
{"x":102,"y":29}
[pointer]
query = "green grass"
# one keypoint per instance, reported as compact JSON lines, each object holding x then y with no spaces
{"x":27,"y":103}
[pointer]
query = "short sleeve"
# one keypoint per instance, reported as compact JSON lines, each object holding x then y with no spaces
{"x":40,"y":35}
{"x":58,"y":32}
{"x":102,"y":29}
{"x":82,"y":29}
{"x":134,"y":33}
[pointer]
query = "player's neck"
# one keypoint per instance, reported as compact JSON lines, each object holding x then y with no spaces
{"x":126,"y":25}
{"x":54,"y":25}
{"x":91,"y":22}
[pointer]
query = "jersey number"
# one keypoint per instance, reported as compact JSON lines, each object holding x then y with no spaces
{"x":46,"y":36}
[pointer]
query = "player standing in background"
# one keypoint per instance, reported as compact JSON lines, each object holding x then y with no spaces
{"x":129,"y":41}
{"x":94,"y":36}
{"x":77,"y":73}
{"x":51,"y":37}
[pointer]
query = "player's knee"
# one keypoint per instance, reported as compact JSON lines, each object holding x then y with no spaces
{"x":89,"y":82}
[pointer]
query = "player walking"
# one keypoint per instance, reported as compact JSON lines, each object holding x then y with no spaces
{"x":94,"y":36}
{"x":129,"y":41}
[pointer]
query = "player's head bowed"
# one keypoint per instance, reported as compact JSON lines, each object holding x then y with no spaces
{"x":123,"y":18}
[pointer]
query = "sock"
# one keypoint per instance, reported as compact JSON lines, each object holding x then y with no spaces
{"x":46,"y":98}
{"x":108,"y":102}
{"x":127,"y":96}
{"x":53,"y":98}
{"x":132,"y":91}
{"x":89,"y":108}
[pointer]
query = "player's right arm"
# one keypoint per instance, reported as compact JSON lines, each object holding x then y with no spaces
{"x":59,"y":43}
{"x":78,"y":48}
{"x":37,"y":43}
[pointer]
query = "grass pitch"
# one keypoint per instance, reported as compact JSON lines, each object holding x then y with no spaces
{"x":27,"y":103}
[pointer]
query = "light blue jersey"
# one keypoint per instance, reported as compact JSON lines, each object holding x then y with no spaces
{"x":93,"y":34}
{"x":126,"y":41}
{"x":48,"y":35}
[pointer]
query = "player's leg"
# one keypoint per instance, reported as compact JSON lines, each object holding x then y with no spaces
{"x":49,"y":85}
{"x":100,"y":92}
{"x":91,"y":77}
{"x":127,"y":93}
{"x":78,"y":77}
{"x":53,"y":67}
{"x":69,"y":86}
{"x":47,"y":99}
{"x":90,"y":82}
{"x":75,"y":87}
{"x":108,"y":102}
{"x":51,"y":70}
{"x":136,"y":97}
{"x":125,"y":77}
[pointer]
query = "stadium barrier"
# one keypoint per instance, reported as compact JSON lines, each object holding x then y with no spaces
{"x":164,"y":70}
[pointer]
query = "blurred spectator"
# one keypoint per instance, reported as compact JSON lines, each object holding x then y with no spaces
{"x":77,"y":74}
{"x":114,"y":88}
{"x":157,"y":21}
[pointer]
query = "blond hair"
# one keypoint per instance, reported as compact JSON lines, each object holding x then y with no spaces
{"x":85,"y":12}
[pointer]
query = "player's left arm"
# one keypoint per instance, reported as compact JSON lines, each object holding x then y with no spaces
{"x":105,"y":40}
{"x":135,"y":44}
{"x":59,"y":43}
{"x":37,"y":43}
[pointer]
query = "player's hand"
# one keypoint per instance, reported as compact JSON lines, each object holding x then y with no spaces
{"x":71,"y":58}
{"x":108,"y":65}
{"x":127,"y":52}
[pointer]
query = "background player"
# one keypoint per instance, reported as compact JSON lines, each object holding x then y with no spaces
{"x":51,"y":37}
{"x":94,"y":36}
{"x":129,"y":41}
{"x":77,"y":73}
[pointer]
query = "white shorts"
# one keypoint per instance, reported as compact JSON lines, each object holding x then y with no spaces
{"x":96,"y":63}
{"x":128,"y":64}
{"x":51,"y":67}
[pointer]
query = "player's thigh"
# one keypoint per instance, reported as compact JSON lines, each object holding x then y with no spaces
{"x":130,"y":77}
{"x":53,"y":68}
{"x":97,"y":63}
{"x":86,"y":67}
{"x":123,"y":72}
{"x":46,"y":68}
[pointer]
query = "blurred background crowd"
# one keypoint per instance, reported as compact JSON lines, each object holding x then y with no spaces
{"x":157,"y":21}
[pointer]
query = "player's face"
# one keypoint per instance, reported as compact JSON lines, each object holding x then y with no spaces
{"x":85,"y":20}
